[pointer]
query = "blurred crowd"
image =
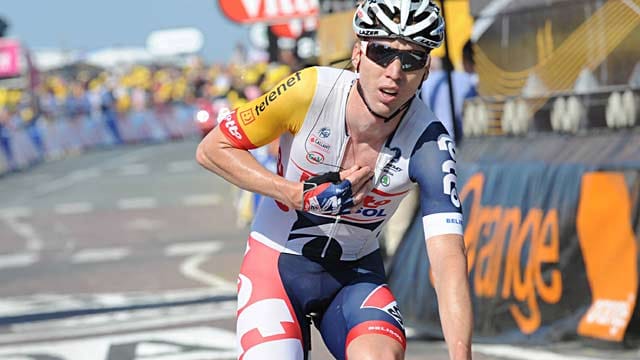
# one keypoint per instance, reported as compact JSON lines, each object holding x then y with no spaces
{"x":67,"y":95}
{"x":80,"y":106}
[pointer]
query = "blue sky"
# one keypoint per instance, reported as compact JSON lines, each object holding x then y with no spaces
{"x":91,"y":24}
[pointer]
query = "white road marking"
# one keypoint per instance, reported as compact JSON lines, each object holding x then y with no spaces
{"x":519,"y":353}
{"x":190,"y":269}
{"x":79,"y":176}
{"x":130,"y":157}
{"x":186,"y":344}
{"x":99,"y":255}
{"x":202,"y":200}
{"x":24,"y":230}
{"x":50,"y":303}
{"x":119,"y":321}
{"x":67,"y":181}
{"x":15,"y":212}
{"x":134,"y":169}
{"x":73,"y":208}
{"x":185,"y":249}
{"x":137,"y":203}
{"x":182,"y":166}
{"x":18,"y":260}
{"x":144,"y":224}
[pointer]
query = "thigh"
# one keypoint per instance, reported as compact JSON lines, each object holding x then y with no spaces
{"x":267,"y":326}
{"x":365,"y":307}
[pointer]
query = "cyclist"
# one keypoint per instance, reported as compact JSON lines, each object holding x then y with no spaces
{"x":351,"y":145}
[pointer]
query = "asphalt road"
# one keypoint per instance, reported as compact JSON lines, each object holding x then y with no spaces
{"x":132,"y":253}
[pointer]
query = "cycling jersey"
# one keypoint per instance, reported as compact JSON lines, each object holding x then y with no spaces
{"x":307,"y":112}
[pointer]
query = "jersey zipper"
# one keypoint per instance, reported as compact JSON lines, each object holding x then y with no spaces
{"x":333,"y":230}
{"x":331,"y":235}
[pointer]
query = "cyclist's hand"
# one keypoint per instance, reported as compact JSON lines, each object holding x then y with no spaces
{"x":361,"y":184}
{"x":326,"y":194}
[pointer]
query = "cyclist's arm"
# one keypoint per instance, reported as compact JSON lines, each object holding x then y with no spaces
{"x":224,"y":150}
{"x":236,"y":165}
{"x":432,"y":166}
{"x":449,"y":267}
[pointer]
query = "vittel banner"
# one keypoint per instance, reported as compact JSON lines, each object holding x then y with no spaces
{"x":251,"y":11}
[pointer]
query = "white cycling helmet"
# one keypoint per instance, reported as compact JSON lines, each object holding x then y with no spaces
{"x":416,"y":21}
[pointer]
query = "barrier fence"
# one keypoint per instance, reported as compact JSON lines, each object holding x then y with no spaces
{"x":551,"y":226}
{"x":22,"y":146}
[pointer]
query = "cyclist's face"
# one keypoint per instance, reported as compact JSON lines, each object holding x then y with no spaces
{"x":390,"y":72}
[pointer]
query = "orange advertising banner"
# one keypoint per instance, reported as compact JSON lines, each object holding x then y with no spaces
{"x":552,"y":254}
{"x":610,"y":254}
{"x":252,"y":11}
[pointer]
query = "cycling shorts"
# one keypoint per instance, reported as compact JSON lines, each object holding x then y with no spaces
{"x":276,"y":292}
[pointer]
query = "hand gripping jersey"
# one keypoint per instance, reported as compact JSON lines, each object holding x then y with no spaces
{"x":340,"y":275}
{"x":308,"y":111}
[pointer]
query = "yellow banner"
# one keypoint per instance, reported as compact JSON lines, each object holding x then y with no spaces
{"x":335,"y":37}
{"x":335,"y":34}
{"x":458,"y":25}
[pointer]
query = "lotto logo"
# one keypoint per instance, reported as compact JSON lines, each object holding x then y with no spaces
{"x":247,"y":117}
{"x":231,"y":126}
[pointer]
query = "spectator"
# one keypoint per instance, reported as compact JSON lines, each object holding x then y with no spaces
{"x":435,"y":90}
{"x":108,"y":105}
{"x":5,"y":138}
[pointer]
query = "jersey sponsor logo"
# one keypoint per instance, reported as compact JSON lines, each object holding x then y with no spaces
{"x":231,"y":126}
{"x":324,"y":133}
{"x":370,"y":208}
{"x":274,"y":94}
{"x":385,"y":180}
{"x":319,"y":143}
{"x":247,"y":117}
{"x":370,"y":202}
{"x":382,"y":299}
{"x":445,"y":143}
{"x":396,"y":154}
{"x":391,"y":167}
{"x":315,"y":157}
{"x":370,"y":213}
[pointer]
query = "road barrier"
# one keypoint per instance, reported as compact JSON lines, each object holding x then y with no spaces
{"x":551,"y":228}
{"x":52,"y":138}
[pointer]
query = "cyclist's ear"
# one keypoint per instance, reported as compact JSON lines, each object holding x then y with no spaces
{"x":356,"y":55}
{"x":428,"y":66}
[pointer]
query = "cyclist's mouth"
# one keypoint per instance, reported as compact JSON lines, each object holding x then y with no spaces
{"x":388,"y":95}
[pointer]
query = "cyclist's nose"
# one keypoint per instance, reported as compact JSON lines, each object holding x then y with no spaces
{"x":394,"y":69}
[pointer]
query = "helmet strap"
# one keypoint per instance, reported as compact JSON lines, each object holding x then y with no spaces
{"x":385,"y":118}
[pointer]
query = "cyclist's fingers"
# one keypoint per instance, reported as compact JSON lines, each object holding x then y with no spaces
{"x":362,"y":184}
{"x":344,"y":174}
{"x":359,"y":195}
{"x":359,"y":177}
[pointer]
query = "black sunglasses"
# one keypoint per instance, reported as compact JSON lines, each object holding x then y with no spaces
{"x":383,"y":55}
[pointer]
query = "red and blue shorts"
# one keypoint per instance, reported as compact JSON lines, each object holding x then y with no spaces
{"x":277,"y":291}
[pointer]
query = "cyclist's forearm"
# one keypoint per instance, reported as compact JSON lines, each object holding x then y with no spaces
{"x":449,"y":268}
{"x":240,"y":168}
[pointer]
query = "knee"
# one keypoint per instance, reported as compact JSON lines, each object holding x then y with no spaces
{"x":382,"y":354}
{"x":375,"y":347}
